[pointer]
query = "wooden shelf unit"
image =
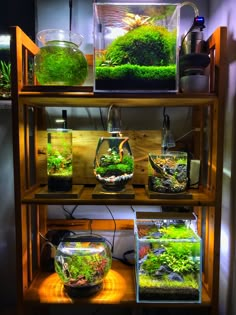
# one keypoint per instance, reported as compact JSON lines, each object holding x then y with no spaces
{"x":29,"y":102}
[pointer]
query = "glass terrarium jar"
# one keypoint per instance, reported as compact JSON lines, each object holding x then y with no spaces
{"x":113,"y":163}
{"x":167,"y":172}
{"x":82,"y":262}
{"x":59,"y":160}
{"x":168,"y":259}
{"x":60,"y":61}
{"x":136,"y":46}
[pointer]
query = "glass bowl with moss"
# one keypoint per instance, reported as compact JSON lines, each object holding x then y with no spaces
{"x":59,"y":60}
{"x":113,"y":163}
{"x":82,"y":261}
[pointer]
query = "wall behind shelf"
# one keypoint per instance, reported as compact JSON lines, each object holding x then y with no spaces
{"x":7,"y":218}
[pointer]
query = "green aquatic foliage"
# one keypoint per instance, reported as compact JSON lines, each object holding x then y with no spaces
{"x":147,"y":45}
{"x":181,"y":258}
{"x":124,"y":167}
{"x":60,"y":64}
{"x":176,"y":231}
{"x":89,"y":268}
{"x":5,"y":79}
{"x":136,"y":72}
{"x":190,"y":281}
{"x":59,"y":163}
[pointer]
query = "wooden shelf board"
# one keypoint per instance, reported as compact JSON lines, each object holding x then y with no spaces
{"x":90,"y":99}
{"x":118,"y":288}
{"x":140,"y":198}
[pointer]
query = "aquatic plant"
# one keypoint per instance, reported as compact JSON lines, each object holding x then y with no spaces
{"x":176,"y":231}
{"x":83,"y":270}
{"x":190,"y":281}
{"x":60,"y":64}
{"x":135,"y":20}
{"x":135,"y":72}
{"x":5,"y":79}
{"x":59,"y":163}
{"x":147,"y":45}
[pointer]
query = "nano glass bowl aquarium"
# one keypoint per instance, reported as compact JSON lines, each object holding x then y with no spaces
{"x":82,"y":262}
{"x":60,"y":61}
{"x":113,"y":163}
{"x":59,"y":160}
{"x":167,"y":172}
{"x":168,"y":260}
{"x":136,"y":47}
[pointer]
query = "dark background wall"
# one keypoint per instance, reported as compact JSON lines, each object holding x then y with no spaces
{"x":21,"y":13}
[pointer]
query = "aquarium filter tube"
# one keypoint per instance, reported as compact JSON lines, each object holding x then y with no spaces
{"x":114,"y":120}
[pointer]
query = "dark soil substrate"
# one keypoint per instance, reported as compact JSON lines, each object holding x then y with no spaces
{"x":59,"y":183}
{"x":83,"y":291}
{"x":129,"y":84}
{"x":168,"y":294}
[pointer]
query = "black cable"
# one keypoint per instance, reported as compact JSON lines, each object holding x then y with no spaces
{"x":70,"y":213}
{"x":114,"y":231}
{"x":102,"y":120}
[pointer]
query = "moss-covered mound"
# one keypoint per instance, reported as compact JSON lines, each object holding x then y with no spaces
{"x":147,"y":45}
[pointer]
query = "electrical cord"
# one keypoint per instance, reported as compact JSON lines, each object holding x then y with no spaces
{"x":70,"y":213}
{"x":114,"y":231}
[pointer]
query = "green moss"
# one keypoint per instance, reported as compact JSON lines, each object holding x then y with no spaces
{"x":135,"y":72}
{"x":146,"y":281}
{"x":147,"y":45}
{"x":60,"y":65}
{"x":126,"y":167}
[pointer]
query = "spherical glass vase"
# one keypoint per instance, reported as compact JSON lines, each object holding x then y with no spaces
{"x":113,"y":163}
{"x":59,"y":60}
{"x":82,"y":262}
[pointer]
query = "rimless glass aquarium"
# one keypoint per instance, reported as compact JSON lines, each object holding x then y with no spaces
{"x":168,"y":258}
{"x":136,"y":47}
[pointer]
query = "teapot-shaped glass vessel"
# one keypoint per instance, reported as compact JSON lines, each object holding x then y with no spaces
{"x":59,"y":60}
{"x":82,"y":261}
{"x":114,"y":163}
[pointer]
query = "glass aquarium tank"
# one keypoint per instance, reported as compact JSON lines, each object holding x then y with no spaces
{"x":168,"y":259}
{"x":82,"y":262}
{"x":60,"y":61}
{"x":59,"y":160}
{"x":136,"y":47}
{"x":113,"y":163}
{"x":167,"y":172}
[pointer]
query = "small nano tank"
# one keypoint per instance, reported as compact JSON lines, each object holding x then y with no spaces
{"x":136,"y":46}
{"x":167,"y":172}
{"x":168,"y":263}
{"x":59,"y":160}
{"x":114,"y":163}
{"x":60,"y":61}
{"x":82,"y":262}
